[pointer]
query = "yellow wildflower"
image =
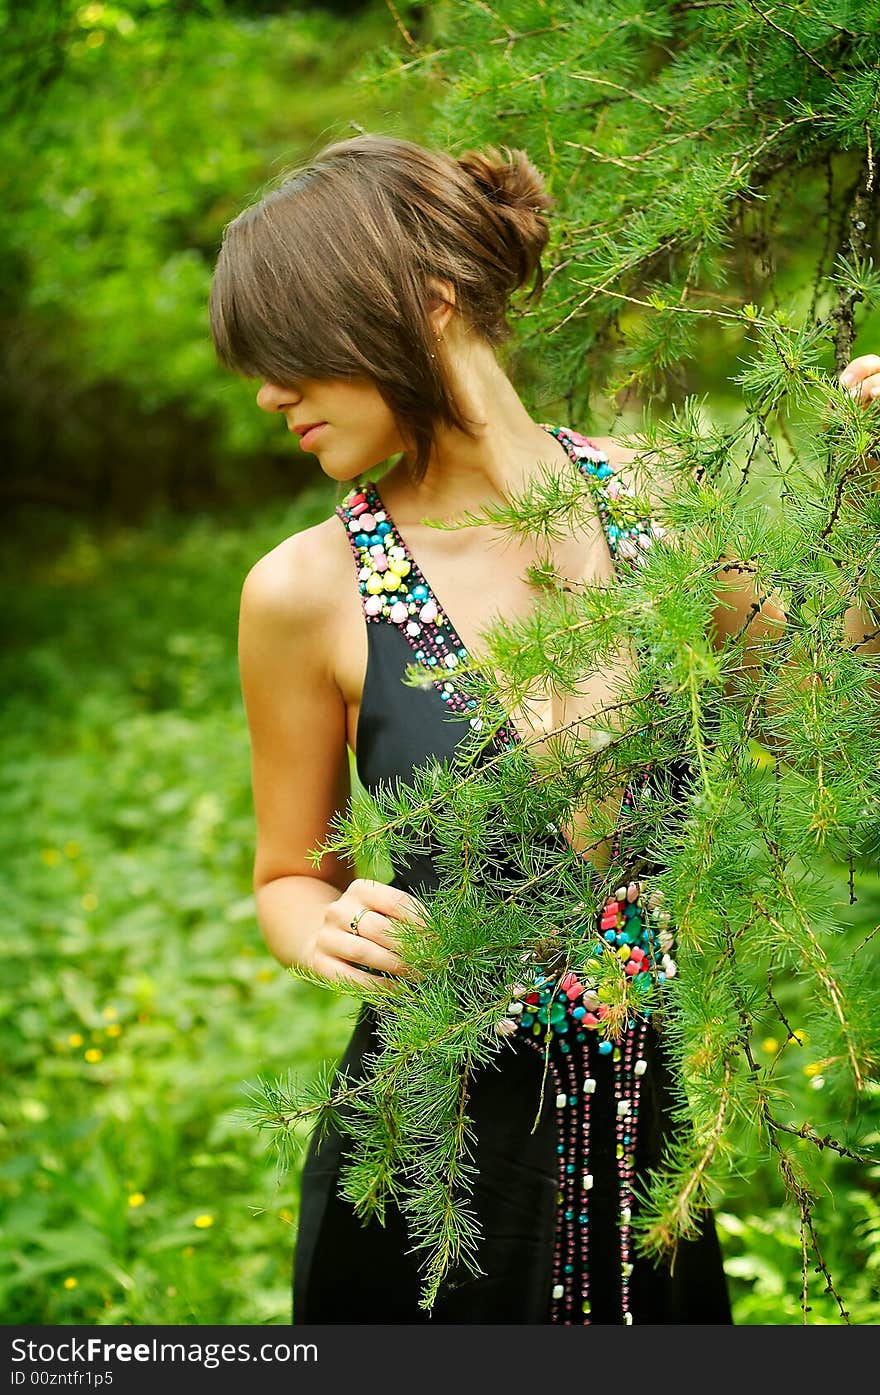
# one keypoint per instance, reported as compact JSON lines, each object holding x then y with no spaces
{"x":203,"y":1221}
{"x":109,"y":1013}
{"x":74,"y":1039}
{"x":93,"y":1055}
{"x":814,"y":1068}
{"x":799,"y":1037}
{"x":114,"y":1030}
{"x":70,"y":1281}
{"x":50,"y":856}
{"x":136,"y":1199}
{"x":770,"y":1044}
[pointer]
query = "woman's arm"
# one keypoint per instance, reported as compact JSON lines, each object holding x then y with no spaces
{"x":741,"y":610}
{"x":300,"y":773}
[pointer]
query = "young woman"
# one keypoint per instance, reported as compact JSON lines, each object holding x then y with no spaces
{"x":369,"y":293}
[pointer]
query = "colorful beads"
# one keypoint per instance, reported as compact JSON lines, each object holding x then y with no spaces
{"x":395,"y":592}
{"x":570,"y":1282}
{"x":555,"y":1006}
{"x":627,"y":541}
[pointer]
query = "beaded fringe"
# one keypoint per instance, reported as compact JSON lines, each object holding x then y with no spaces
{"x":570,"y":1294}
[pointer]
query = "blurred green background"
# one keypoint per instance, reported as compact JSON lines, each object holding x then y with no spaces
{"x":142,"y":483}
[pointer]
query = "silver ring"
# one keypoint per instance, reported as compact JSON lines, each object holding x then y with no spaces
{"x":356,"y":918}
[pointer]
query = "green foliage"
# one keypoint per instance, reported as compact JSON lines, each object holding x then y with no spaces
{"x":699,"y":157}
{"x":127,"y":838}
{"x":138,"y":999}
{"x":688,"y":150}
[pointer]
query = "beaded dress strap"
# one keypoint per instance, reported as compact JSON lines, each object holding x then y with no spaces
{"x":394,"y":591}
{"x":629,"y":535}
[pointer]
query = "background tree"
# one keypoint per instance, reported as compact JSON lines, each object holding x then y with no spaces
{"x":139,"y":484}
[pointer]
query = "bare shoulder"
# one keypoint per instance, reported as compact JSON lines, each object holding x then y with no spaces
{"x":296,"y":711}
{"x":290,"y":590}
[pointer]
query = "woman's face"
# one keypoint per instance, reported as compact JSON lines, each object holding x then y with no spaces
{"x":358,"y":431}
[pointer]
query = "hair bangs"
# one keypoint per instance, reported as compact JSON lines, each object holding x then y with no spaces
{"x":273,"y":311}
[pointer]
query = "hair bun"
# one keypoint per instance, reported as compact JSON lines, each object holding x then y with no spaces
{"x":517,"y":203}
{"x":507,"y":178}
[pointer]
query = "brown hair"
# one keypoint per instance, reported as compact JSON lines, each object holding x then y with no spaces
{"x":326,"y":276}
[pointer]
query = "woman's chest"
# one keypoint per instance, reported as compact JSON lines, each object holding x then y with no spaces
{"x":458,"y":593}
{"x":454,"y":594}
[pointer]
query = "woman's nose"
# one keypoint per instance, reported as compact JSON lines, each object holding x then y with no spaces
{"x":271,"y":396}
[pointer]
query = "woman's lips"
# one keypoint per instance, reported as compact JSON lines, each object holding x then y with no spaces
{"x":308,"y":437}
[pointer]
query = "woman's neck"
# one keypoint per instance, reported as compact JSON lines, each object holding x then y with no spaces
{"x":466,"y":474}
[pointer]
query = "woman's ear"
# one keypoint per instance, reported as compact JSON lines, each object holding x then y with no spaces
{"x":441,"y":303}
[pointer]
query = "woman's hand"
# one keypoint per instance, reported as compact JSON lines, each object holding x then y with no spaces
{"x":861,"y":378}
{"x":340,"y":953}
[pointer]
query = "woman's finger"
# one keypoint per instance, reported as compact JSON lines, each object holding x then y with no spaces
{"x":867,"y":389}
{"x":373,"y":925}
{"x":389,"y":900}
{"x":406,"y":907}
{"x":362,"y":950}
{"x":338,"y":970}
{"x":859,"y":369}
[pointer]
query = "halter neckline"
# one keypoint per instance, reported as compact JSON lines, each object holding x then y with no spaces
{"x":396,"y":590}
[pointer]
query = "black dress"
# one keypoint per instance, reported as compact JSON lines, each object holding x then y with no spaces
{"x":555,"y":1204}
